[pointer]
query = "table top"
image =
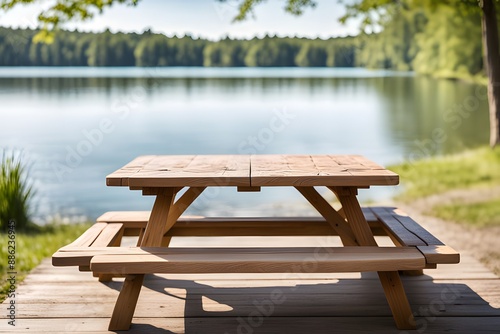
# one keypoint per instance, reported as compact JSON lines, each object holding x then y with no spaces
{"x":251,"y":171}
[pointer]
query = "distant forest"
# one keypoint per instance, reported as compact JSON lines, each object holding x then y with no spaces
{"x":443,"y":42}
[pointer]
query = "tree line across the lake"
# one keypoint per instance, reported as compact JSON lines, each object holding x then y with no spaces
{"x":151,"y":49}
{"x":443,"y":41}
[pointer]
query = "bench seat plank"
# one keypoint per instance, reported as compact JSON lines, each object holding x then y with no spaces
{"x":398,"y":230}
{"x":142,"y":217}
{"x":383,"y":221}
{"x":415,"y":228}
{"x":239,"y":226}
{"x":439,"y":254}
{"x":409,"y":233}
{"x":108,"y":235}
{"x":261,"y":260}
{"x":88,"y":237}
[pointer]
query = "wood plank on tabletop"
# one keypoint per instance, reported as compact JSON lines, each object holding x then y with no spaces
{"x":201,"y":171}
{"x":120,"y":177}
{"x":149,"y":162}
{"x":317,"y":170}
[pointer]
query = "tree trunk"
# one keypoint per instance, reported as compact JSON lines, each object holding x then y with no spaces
{"x":492,"y":65}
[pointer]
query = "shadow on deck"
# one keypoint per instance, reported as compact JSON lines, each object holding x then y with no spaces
{"x":461,"y":298}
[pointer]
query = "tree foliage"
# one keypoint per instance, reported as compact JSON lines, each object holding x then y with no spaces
{"x":62,"y":11}
{"x":438,"y":38}
{"x":149,"y":49}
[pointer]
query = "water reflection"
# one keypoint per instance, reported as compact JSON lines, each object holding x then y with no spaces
{"x":386,"y":118}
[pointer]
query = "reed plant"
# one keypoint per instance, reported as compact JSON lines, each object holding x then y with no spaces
{"x":16,"y":194}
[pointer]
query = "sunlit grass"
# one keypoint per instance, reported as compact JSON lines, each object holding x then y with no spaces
{"x":475,"y":214}
{"x":31,"y":249}
{"x":474,"y":168}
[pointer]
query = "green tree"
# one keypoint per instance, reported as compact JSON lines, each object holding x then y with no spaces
{"x":436,"y":37}
{"x":224,"y":53}
{"x":464,"y":8}
{"x":62,"y":11}
{"x":378,"y":11}
{"x":155,"y":50}
{"x":342,"y":52}
{"x":271,"y":51}
{"x":311,"y":56}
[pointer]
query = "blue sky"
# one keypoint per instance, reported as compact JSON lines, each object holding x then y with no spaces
{"x":203,"y":18}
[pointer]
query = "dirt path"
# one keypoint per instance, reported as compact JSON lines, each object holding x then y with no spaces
{"x":482,"y":243}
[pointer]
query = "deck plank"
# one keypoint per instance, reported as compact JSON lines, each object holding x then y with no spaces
{"x":463,"y":298}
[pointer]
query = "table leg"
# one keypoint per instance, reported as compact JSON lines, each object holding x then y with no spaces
{"x":127,"y":299}
{"x":178,"y":209}
{"x":337,"y":222}
{"x":154,"y":231}
{"x":390,"y":280}
{"x":126,"y":302}
{"x":396,"y":297}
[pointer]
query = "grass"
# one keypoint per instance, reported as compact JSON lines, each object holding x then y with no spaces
{"x":473,"y":169}
{"x":470,"y":169}
{"x":480,"y":214}
{"x":32,"y":248}
{"x":16,"y":193}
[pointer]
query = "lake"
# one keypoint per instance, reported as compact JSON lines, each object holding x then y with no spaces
{"x":76,"y":125}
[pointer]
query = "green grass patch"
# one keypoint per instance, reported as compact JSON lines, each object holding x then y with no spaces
{"x":32,"y":248}
{"x":475,"y":214}
{"x":474,"y":168}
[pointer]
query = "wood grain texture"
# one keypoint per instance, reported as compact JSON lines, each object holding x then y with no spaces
{"x":120,"y":177}
{"x":180,"y":206}
{"x":390,"y":280}
{"x":234,"y":226}
{"x":263,"y":260}
{"x":354,"y":215}
{"x":439,"y":254}
{"x":210,"y":324}
{"x":335,"y":220}
{"x":459,"y":299}
{"x":318,"y":170}
{"x":185,"y":170}
{"x":251,"y":171}
{"x":108,"y":236}
{"x":88,"y":237}
{"x":394,"y":227}
{"x":155,"y":228}
{"x":407,"y":232}
{"x":398,"y":302}
{"x":124,"y":309}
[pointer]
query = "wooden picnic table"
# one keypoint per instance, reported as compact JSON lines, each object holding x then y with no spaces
{"x":166,"y":176}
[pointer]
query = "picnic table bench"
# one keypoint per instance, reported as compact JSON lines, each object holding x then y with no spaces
{"x":98,"y":249}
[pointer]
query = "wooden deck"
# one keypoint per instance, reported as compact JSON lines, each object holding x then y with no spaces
{"x":462,"y":298}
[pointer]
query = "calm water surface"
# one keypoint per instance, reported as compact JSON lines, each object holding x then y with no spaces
{"x":76,"y":125}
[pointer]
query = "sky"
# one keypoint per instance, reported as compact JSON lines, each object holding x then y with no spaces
{"x":202,"y":18}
